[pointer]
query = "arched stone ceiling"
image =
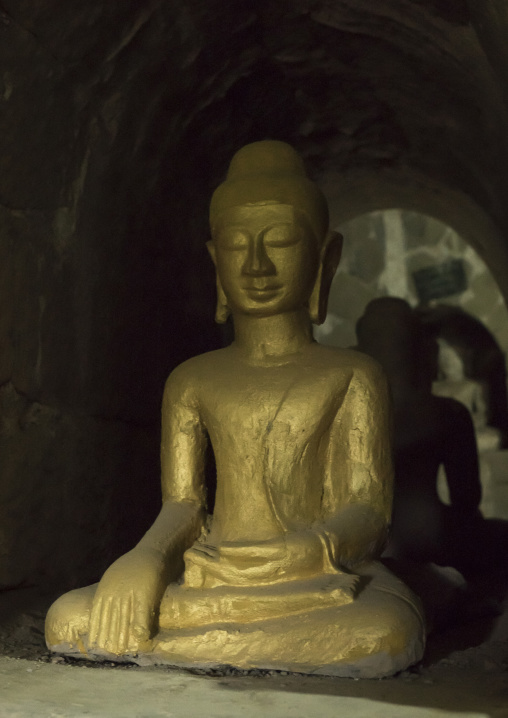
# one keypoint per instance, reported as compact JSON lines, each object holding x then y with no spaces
{"x":179,"y":85}
{"x":119,"y":119}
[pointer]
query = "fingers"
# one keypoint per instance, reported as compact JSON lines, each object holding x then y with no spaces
{"x":103,"y":633}
{"x":112,"y":625}
{"x":126,"y":615}
{"x":111,"y":640}
{"x":142,"y":622}
{"x":95,"y":621}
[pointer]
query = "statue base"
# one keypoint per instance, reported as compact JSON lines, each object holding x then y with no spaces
{"x":377,"y":633}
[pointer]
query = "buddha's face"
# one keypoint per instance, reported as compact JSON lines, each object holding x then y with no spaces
{"x":266,"y":257}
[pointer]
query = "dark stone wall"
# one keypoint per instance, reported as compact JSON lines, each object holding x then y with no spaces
{"x":117,"y":120}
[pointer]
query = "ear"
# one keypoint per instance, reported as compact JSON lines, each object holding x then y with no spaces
{"x":210,"y":245}
{"x":222,"y":310}
{"x":328,"y":262}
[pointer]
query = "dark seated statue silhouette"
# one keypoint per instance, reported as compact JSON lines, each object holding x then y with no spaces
{"x":429,"y":431}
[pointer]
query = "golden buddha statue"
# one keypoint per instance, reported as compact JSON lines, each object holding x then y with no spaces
{"x":283,"y":575}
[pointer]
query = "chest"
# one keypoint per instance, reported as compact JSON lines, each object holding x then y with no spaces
{"x":288,"y":404}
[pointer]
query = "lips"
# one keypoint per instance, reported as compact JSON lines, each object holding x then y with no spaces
{"x":265,"y":291}
{"x":262,"y":287}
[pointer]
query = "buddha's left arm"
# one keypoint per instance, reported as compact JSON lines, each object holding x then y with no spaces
{"x":357,"y":498}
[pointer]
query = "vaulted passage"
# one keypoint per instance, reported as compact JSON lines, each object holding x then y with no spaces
{"x":117,"y":120}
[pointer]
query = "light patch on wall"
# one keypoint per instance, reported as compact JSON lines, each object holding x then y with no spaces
{"x":8,"y":86}
{"x":382,"y":250}
{"x":66,"y":218}
{"x":394,"y":278}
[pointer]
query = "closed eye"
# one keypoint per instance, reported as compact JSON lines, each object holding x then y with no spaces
{"x":233,"y":240}
{"x":283,"y":235}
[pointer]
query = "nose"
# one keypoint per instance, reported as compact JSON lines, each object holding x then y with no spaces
{"x":257,"y":262}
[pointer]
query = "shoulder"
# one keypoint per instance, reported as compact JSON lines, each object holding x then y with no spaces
{"x":453,"y":411}
{"x":361,"y":368}
{"x":187,"y":379}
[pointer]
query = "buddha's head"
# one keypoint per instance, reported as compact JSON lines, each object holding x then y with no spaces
{"x":270,"y":240}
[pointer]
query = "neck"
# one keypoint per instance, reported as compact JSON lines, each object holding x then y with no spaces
{"x":268,"y":338}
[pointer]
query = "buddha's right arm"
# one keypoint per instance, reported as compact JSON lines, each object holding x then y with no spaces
{"x":125,"y":607}
{"x":175,"y":529}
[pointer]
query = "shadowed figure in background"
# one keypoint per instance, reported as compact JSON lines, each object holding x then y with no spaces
{"x":429,"y":431}
{"x":453,"y":382}
{"x":482,"y":363}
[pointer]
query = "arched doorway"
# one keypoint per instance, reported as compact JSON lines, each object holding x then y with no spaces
{"x":393,"y":252}
{"x":399,"y":252}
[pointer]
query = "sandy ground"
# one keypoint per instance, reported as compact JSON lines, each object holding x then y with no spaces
{"x":465,"y":672}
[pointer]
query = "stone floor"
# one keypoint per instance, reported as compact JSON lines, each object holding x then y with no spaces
{"x":465,"y":673}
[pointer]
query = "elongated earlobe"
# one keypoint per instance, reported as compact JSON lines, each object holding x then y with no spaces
{"x":314,"y":301}
{"x":328,"y":263}
{"x":222,"y":310}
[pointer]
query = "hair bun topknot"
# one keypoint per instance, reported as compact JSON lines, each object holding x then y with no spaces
{"x":273,"y":172}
